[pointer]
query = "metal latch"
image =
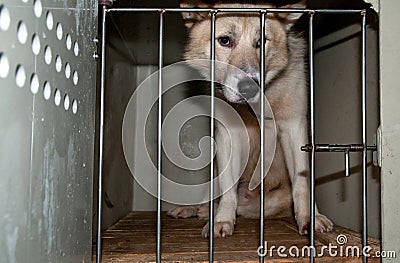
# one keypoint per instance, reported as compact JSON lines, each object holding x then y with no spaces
{"x":345,"y":148}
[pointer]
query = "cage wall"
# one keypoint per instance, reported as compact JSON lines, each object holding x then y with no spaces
{"x":47,"y":116}
{"x":389,"y":94}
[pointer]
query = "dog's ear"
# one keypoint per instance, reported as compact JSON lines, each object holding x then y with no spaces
{"x":291,"y":18}
{"x":191,"y":18}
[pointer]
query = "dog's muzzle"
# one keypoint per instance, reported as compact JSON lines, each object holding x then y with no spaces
{"x":248,"y":88}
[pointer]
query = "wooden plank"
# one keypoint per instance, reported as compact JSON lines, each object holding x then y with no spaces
{"x":132,"y":239}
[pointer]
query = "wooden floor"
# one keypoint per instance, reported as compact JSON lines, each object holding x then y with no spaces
{"x":133,"y":239}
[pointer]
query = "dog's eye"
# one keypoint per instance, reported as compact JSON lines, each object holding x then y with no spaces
{"x":259,"y":42}
{"x":225,"y":41}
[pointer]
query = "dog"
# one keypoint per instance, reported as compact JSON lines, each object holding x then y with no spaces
{"x":238,"y":44}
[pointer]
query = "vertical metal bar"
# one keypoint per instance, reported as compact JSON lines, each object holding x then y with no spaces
{"x":312,"y":131}
{"x":101,"y":132}
{"x":159,"y":128}
{"x":364,"y":135}
{"x":212,"y":72}
{"x":347,"y":162}
{"x":262,"y":102}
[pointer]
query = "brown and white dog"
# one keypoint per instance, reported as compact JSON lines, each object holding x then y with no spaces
{"x":238,"y":44}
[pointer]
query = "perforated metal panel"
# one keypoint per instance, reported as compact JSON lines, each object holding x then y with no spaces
{"x":47,"y":116}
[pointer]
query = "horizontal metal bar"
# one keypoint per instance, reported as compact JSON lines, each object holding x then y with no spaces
{"x":337,"y":148}
{"x":233,"y":10}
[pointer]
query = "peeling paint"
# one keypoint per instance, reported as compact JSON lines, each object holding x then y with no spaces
{"x":49,"y":204}
{"x":11,"y":241}
{"x":78,"y":10}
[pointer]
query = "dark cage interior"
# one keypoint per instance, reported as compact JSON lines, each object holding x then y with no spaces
{"x":128,"y":217}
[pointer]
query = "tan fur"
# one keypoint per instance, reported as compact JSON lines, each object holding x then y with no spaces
{"x":286,"y":91}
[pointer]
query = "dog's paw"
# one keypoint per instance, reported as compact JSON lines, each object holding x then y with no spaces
{"x":203,"y":212}
{"x":183,"y":211}
{"x":322,"y":224}
{"x":221,"y":229}
{"x":302,"y":223}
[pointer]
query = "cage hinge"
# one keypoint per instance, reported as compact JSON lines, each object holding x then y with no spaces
{"x":95,"y":53}
{"x":377,"y":155}
{"x":375,"y":5}
{"x":107,"y":3}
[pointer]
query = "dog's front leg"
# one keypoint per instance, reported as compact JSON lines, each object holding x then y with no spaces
{"x":293,"y":136}
{"x":228,"y":158}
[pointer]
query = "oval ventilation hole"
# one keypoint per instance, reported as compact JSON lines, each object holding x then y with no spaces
{"x":37,"y":8}
{"x":48,"y":55}
{"x":5,"y":18}
{"x":67,"y":70}
{"x":22,"y":32}
{"x":68,"y":42}
{"x":34,"y":84}
{"x":58,"y":63}
{"x":59,"y":31}
{"x":75,"y":78}
{"x":49,"y":20}
{"x":35,"y":44}
{"x":76,"y":48}
{"x":74,"y":106}
{"x":66,"y":102}
{"x":20,"y":76}
{"x":4,"y":66}
{"x":57,"y":97}
{"x":46,"y":90}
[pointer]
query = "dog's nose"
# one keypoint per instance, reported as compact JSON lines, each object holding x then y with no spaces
{"x":248,"y":88}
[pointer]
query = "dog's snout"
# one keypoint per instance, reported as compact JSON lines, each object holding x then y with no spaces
{"x":248,"y":88}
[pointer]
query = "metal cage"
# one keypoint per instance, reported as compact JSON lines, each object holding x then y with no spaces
{"x":312,"y":147}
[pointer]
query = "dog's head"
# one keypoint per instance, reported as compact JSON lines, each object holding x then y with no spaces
{"x":237,"y":46}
